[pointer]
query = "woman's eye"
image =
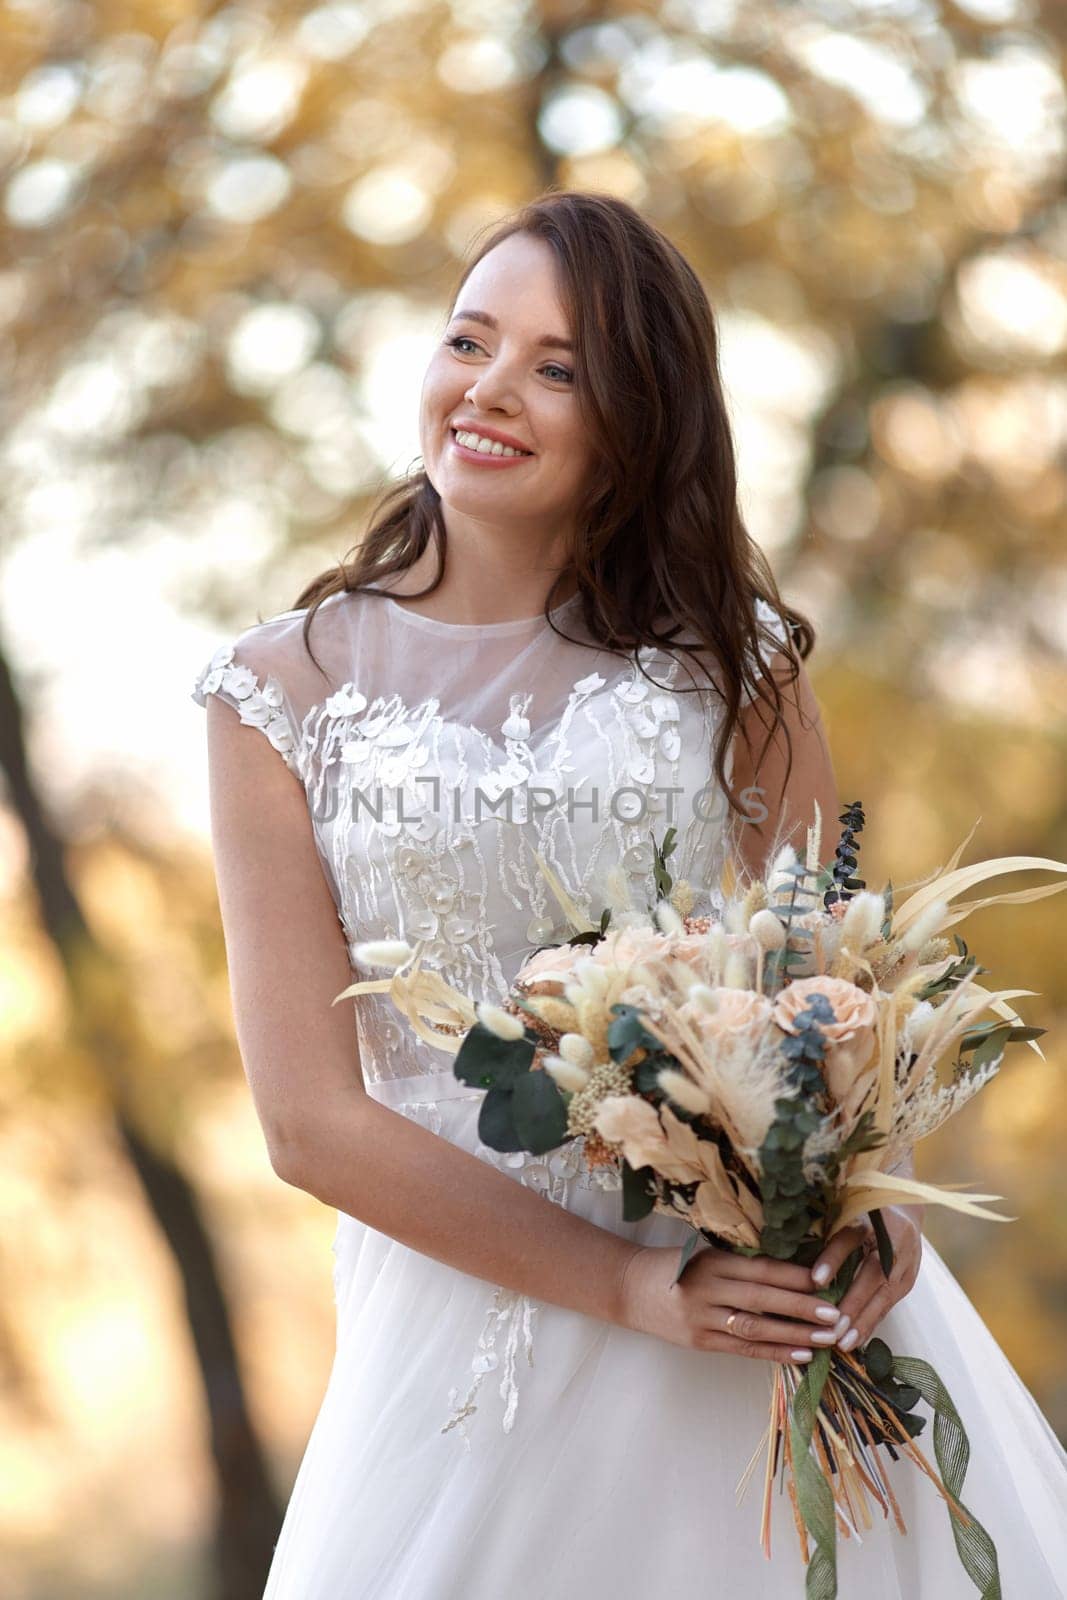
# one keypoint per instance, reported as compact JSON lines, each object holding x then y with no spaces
{"x":458,"y":339}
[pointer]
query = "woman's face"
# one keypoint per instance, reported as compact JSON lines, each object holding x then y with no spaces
{"x":504,"y":367}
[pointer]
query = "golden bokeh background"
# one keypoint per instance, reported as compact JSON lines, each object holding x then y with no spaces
{"x":227,"y":235}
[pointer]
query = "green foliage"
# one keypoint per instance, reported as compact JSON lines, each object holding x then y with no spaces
{"x":987,"y":1040}
{"x":792,"y":1206}
{"x":593,"y":935}
{"x":954,"y":974}
{"x":627,"y":1033}
{"x":486,"y":1061}
{"x":845,"y":859}
{"x":664,"y":881}
{"x":885,"y":1243}
{"x":523,"y":1109}
{"x":638,"y":1192}
{"x":539,"y":1112}
{"x":798,"y":941}
{"x":877,"y":1359}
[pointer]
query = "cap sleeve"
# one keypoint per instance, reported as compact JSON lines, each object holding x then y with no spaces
{"x":240,"y":673}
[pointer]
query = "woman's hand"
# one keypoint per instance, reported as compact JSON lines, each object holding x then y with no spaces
{"x":871,"y":1294}
{"x":741,"y":1305}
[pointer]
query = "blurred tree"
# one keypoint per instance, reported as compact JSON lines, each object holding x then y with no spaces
{"x":104,"y":1024}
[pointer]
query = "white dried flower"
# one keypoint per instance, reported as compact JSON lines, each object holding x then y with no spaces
{"x":629,"y":919}
{"x":716,"y":947}
{"x":767,"y":929}
{"x":736,"y":972}
{"x":574,"y":1047}
{"x":779,"y":880}
{"x":668,"y":918}
{"x":383,"y":952}
{"x":683,"y":897}
{"x":591,"y":977}
{"x":689,"y":1095}
{"x":918,"y":1024}
{"x":861,"y":924}
{"x":704,"y":996}
{"x":926,"y":924}
{"x":499,"y":1021}
{"x":568,"y":1074}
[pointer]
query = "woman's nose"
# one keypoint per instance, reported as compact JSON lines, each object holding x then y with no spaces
{"x":493,"y":388}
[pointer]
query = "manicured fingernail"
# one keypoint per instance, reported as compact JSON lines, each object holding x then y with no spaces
{"x":850,"y":1339}
{"x":827,"y":1313}
{"x":823,"y":1336}
{"x":800,"y":1355}
{"x":821,"y":1274}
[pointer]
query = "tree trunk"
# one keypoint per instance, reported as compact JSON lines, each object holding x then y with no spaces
{"x":249,"y":1514}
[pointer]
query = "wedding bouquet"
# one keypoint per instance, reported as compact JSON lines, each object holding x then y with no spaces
{"x":763,"y":1074}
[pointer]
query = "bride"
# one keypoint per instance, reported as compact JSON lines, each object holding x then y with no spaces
{"x":556,"y":637}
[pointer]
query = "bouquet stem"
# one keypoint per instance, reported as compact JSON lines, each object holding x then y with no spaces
{"x":825,"y":1428}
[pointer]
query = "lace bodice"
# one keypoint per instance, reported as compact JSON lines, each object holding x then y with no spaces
{"x":438,"y":757}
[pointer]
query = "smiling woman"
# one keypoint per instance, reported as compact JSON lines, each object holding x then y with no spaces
{"x":580,"y":337}
{"x":495,"y":397}
{"x":501,"y":712}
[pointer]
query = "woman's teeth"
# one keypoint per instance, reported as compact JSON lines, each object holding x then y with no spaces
{"x":487,"y":447}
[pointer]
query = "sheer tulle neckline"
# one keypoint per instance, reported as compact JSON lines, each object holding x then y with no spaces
{"x":474,"y":629}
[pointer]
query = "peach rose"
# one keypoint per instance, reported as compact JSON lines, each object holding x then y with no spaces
{"x":738,"y":1011}
{"x":633,"y":946}
{"x":537,"y":973}
{"x":851,"y":1057}
{"x":692,"y":949}
{"x":625,"y":947}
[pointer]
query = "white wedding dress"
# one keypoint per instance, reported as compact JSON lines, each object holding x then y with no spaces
{"x":473,"y":1444}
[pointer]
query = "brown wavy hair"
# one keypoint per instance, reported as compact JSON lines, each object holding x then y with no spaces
{"x":660,"y":533}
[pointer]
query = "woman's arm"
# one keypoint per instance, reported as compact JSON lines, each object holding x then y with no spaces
{"x":790,"y":807}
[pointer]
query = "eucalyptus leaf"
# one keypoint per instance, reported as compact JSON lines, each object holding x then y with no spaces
{"x":496,"y":1122}
{"x":486,"y":1061}
{"x":539,"y":1112}
{"x":991,"y":1047}
{"x":885,"y":1243}
{"x":646,"y":1076}
{"x":637,"y":1201}
{"x":878,"y":1359}
{"x":627,"y":1033}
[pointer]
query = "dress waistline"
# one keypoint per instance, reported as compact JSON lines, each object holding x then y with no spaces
{"x":420,"y":1087}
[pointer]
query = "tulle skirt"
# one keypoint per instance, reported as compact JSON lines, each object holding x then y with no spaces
{"x":475,"y":1445}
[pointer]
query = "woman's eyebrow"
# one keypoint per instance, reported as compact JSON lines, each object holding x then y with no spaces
{"x":551,"y":341}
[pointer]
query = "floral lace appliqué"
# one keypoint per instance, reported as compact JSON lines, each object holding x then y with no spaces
{"x":509,"y":1311}
{"x":262,"y":708}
